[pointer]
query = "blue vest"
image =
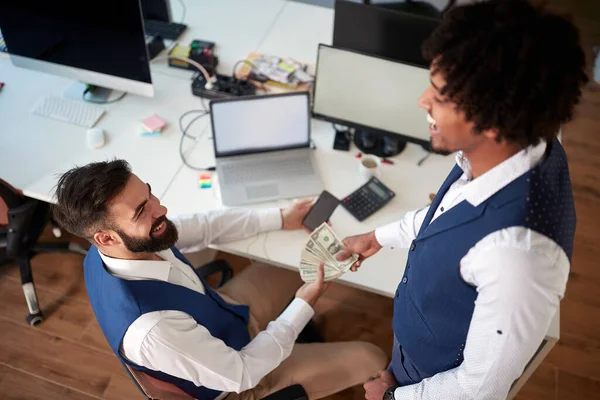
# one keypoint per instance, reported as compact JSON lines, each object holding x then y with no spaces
{"x":117,"y":303}
{"x":433,"y":305}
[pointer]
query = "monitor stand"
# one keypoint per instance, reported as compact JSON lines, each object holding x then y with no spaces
{"x":381,"y":145}
{"x":99,"y":95}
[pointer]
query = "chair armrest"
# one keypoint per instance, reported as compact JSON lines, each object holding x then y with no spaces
{"x":217,"y":266}
{"x":11,"y":196}
{"x":294,"y":392}
{"x":18,"y":229}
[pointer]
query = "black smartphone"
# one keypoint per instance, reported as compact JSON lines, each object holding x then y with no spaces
{"x":320,"y":211}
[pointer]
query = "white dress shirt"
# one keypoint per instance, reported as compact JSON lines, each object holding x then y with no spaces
{"x":520,"y":276}
{"x":172,"y":342}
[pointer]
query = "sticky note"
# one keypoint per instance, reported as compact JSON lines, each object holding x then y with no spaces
{"x":153,"y":124}
{"x":205,"y":181}
{"x":148,"y":134}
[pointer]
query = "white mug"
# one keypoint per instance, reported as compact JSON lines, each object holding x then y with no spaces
{"x":369,"y":166}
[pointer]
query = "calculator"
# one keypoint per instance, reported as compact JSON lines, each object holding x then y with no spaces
{"x":367,"y":199}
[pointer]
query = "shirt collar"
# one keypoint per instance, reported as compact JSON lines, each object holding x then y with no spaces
{"x":479,"y":190}
{"x":140,"y":269}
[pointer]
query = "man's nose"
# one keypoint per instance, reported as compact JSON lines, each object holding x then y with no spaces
{"x":158,"y":210}
{"x":424,"y":100}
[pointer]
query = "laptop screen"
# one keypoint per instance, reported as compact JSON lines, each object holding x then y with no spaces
{"x":254,"y":124}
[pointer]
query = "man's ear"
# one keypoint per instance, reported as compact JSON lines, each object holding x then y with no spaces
{"x":491,"y":134}
{"x":107,"y":238}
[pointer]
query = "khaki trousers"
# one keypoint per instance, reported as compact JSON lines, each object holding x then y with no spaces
{"x":321,"y":368}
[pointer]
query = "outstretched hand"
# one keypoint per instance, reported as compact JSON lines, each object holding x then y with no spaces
{"x":364,"y":245}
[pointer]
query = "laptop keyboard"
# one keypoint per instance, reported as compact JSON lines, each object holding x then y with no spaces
{"x":266,"y":170}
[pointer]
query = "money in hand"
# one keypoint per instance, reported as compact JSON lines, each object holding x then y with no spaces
{"x":323,"y":246}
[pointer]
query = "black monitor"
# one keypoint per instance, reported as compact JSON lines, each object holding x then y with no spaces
{"x":375,"y":96}
{"x":381,"y":31}
{"x":158,"y":10}
{"x":100,"y":43}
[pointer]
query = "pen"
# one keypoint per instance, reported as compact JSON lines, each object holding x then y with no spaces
{"x":1,"y":86}
{"x":386,"y":161}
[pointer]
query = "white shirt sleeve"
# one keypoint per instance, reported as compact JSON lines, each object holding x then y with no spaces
{"x":520,"y":277}
{"x":172,"y":342}
{"x":401,"y":233}
{"x":198,"y":231}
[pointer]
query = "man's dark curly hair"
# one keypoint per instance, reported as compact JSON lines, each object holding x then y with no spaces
{"x":84,"y":193}
{"x":509,"y":66}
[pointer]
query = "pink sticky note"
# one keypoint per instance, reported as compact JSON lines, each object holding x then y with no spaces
{"x":154,"y":123}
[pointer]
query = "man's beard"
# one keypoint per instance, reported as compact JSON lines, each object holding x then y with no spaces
{"x":152,"y":244}
{"x":433,"y":150}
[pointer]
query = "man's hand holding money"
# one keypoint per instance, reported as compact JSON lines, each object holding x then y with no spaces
{"x":364,"y":245}
{"x":310,"y":292}
{"x":322,"y":247}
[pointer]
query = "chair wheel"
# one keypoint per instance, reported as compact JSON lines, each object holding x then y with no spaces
{"x":35,"y":319}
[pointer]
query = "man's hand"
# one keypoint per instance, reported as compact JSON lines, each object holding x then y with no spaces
{"x":293,"y":215}
{"x":375,"y":387}
{"x":364,"y":245}
{"x":310,"y":292}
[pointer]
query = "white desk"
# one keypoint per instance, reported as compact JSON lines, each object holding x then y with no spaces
{"x":298,"y":31}
{"x":35,"y":149}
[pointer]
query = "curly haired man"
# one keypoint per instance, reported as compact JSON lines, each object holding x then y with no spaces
{"x":488,"y":260}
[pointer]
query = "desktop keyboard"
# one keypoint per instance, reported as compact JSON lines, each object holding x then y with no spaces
{"x":72,"y":111}
{"x":265,"y":170}
{"x":166,"y":30}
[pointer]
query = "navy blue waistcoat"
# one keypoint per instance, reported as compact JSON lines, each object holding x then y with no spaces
{"x":117,"y":303}
{"x":433,"y":305}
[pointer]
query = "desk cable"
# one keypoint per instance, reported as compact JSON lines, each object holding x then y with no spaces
{"x":266,"y":236}
{"x":183,"y":11}
{"x":210,"y":80}
{"x":254,"y":241}
{"x":251,"y":243}
{"x":184,"y":134}
{"x":281,"y":204}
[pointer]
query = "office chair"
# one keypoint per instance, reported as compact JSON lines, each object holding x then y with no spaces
{"x":27,"y":218}
{"x":154,"y":389}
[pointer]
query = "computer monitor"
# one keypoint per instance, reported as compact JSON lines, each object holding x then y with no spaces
{"x":380,"y":31}
{"x":99,"y":43}
{"x":371,"y":94}
{"x":158,"y":10}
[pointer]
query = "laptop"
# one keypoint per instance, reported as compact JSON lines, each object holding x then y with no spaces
{"x":262,"y":148}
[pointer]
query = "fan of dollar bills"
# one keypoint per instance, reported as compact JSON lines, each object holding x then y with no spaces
{"x":322,"y":246}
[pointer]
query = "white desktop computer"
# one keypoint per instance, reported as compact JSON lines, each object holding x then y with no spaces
{"x":99,"y":43}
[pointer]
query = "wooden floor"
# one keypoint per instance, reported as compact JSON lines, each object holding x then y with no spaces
{"x":66,"y":357}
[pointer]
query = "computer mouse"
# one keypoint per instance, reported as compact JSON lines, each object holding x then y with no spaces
{"x":95,"y":138}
